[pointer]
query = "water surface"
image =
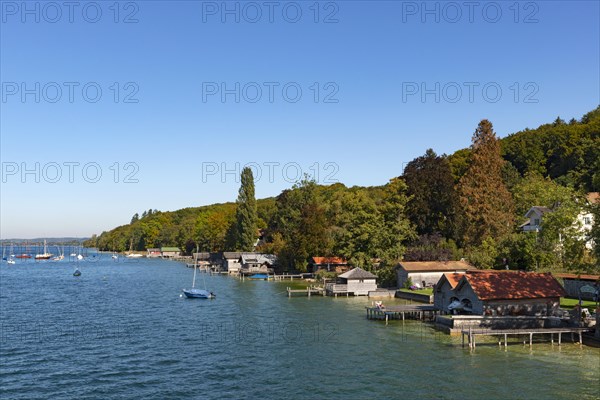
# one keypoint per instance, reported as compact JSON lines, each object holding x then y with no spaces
{"x":122,"y":330}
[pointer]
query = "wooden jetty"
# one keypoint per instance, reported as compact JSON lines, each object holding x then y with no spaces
{"x":472,"y":333}
{"x":287,"y":276}
{"x":310,"y":290}
{"x":413,"y":311}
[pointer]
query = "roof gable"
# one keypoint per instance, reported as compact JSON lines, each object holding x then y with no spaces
{"x":358,"y":273}
{"x":170,"y":249}
{"x":511,"y":285}
{"x":435,"y":266}
{"x":329,"y":260}
{"x":538,"y":211}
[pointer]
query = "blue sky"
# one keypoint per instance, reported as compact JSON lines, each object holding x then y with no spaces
{"x":394,"y":78}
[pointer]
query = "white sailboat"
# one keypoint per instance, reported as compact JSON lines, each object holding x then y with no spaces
{"x":60,"y":256}
{"x":45,"y":255}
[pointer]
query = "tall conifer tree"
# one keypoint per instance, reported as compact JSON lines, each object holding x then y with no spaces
{"x":246,"y":216}
{"x":486,"y":203}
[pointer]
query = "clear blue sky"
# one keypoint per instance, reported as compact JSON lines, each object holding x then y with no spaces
{"x":373,"y":57}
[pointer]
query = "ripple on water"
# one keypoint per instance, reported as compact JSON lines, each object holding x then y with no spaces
{"x":123,"y":332}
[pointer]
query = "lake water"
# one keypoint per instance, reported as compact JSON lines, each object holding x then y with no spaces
{"x":122,"y":330}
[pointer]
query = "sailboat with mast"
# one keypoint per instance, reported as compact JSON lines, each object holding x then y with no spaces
{"x":45,"y":255}
{"x":194,"y":293}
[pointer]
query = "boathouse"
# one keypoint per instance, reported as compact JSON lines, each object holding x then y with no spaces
{"x":329,"y":264}
{"x":573,"y":283}
{"x":428,"y":273}
{"x":257,"y":263}
{"x":170,"y":252}
{"x":502,"y":293}
{"x":153,"y":253}
{"x":444,"y":290}
{"x":357,"y":282}
{"x":231,"y":261}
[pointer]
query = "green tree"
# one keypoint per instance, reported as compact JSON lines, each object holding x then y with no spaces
{"x":246,"y":215}
{"x":300,"y":225}
{"x":486,"y":205}
{"x":535,"y":190}
{"x":432,"y":198}
{"x":135,"y":218}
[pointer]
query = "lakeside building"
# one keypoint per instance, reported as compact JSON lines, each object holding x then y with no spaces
{"x":257,"y":263}
{"x":170,"y":252}
{"x":428,"y":273}
{"x":153,"y":253}
{"x":329,"y":264}
{"x":357,"y":282}
{"x":231,"y":261}
{"x":499,"y":293}
{"x":584,"y":221}
{"x":574,"y":282}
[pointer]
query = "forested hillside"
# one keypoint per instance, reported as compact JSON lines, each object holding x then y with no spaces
{"x":469,"y":204}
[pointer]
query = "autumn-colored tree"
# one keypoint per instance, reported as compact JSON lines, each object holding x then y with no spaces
{"x":486,"y":205}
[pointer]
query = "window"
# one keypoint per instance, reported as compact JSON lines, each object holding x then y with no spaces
{"x":536,"y":221}
{"x":587,"y":220}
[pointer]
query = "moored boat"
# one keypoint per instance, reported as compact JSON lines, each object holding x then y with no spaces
{"x":45,"y":255}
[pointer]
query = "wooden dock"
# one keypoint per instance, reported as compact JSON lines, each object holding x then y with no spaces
{"x":472,"y":333}
{"x":410,"y":311}
{"x":311,"y":290}
{"x":287,"y":276}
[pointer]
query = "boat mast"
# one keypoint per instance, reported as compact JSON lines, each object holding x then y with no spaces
{"x":194,"y":280}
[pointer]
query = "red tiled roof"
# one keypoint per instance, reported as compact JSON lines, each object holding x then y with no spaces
{"x":433,"y":266}
{"x":509,"y":285}
{"x":593,"y":197}
{"x":580,"y":277}
{"x":453,"y":278}
{"x":329,"y":260}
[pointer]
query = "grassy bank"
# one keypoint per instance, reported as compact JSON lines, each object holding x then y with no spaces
{"x":569,"y":303}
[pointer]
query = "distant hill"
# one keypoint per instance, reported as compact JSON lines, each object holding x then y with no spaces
{"x":49,"y":240}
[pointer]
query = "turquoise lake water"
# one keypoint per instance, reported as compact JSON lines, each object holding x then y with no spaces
{"x":123,"y":331}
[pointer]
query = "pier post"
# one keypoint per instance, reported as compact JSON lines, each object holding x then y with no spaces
{"x":505,"y":340}
{"x":386,"y":318}
{"x":559,"y":337}
{"x":552,"y":338}
{"x":530,"y":339}
{"x":580,"y":338}
{"x":462,"y":337}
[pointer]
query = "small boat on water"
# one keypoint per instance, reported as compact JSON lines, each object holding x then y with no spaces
{"x":263,"y":277}
{"x":45,"y":255}
{"x":11,"y":261}
{"x":194,"y":293}
{"x":77,"y":272}
{"x":198,"y":294}
{"x":23,"y":256}
{"x":134,"y":255}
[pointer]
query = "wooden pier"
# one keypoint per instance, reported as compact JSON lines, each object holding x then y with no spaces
{"x":311,"y":290}
{"x":287,"y":276}
{"x":471,"y":334}
{"x":411,"y":311}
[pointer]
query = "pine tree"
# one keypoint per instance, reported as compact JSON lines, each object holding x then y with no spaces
{"x":246,"y":215}
{"x":486,"y":205}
